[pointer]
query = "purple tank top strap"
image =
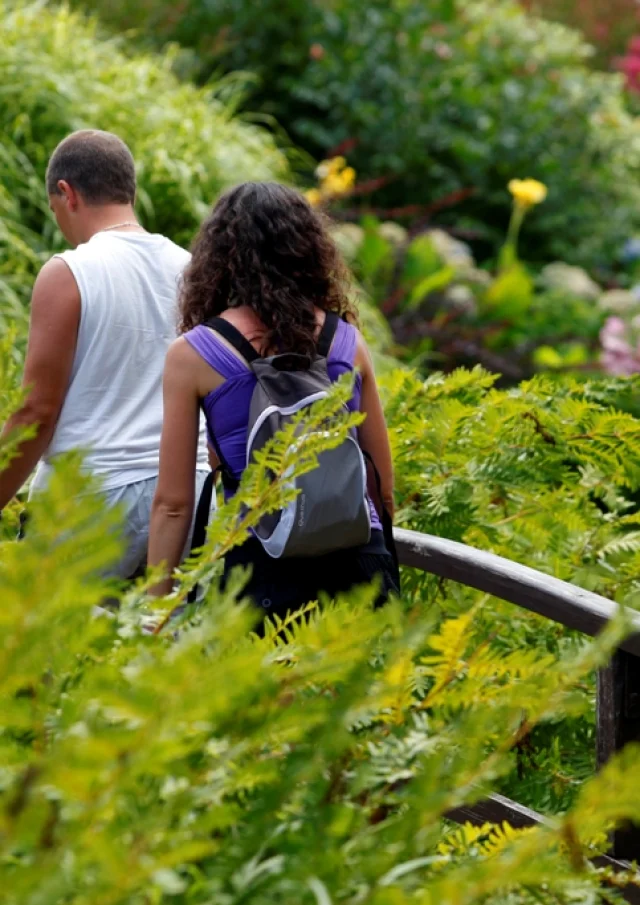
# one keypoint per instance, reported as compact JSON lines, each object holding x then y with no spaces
{"x":343,"y":347}
{"x":215,"y":352}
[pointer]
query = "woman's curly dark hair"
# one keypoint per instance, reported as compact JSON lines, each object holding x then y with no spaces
{"x":265,"y":247}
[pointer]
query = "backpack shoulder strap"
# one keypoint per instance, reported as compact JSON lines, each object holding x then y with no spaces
{"x":234,"y":337}
{"x":203,"y":511}
{"x":242,"y":345}
{"x":327,"y":333}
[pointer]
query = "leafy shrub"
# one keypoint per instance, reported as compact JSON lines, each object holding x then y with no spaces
{"x":546,"y":474}
{"x":543,"y":473}
{"x":201,"y":765}
{"x":59,"y":77}
{"x":441,"y":100}
{"x":607,"y":24}
{"x":187,"y":142}
{"x":316,"y":764}
{"x":444,"y":311}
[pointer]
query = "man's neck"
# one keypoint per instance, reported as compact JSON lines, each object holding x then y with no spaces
{"x":109,"y":216}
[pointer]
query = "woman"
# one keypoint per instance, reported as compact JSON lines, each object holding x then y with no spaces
{"x":263,"y":262}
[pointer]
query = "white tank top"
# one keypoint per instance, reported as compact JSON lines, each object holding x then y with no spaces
{"x":128,"y":286}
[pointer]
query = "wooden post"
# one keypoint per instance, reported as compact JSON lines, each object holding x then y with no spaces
{"x":618,"y":722}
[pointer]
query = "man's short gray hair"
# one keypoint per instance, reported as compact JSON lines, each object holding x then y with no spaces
{"x":96,"y":164}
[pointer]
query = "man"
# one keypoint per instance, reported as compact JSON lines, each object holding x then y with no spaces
{"x":102,"y":318}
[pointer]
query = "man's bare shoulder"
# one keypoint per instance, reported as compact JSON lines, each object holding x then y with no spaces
{"x":55,"y":285}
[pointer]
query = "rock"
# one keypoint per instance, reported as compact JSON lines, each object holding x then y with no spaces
{"x":348,"y":237}
{"x":477,"y":276}
{"x":461,"y":297}
{"x":453,"y":252}
{"x":619,"y":301}
{"x":572,"y":279}
{"x":393,"y":233}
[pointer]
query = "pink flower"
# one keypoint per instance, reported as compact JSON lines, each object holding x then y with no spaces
{"x":630,"y":64}
{"x":618,"y":357}
{"x":613,"y":326}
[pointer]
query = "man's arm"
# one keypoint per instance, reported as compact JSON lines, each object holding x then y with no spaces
{"x":53,"y":333}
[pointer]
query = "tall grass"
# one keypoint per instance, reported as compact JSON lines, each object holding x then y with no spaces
{"x":57,"y":75}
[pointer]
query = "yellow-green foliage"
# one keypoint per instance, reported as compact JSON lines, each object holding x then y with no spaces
{"x":544,"y":473}
{"x":216,"y":767}
{"x":200,"y":764}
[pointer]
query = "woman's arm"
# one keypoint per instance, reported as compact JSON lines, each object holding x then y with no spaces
{"x":372,"y":433}
{"x":174,"y":500}
{"x":214,"y":462}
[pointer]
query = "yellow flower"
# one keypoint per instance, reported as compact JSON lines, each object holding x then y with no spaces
{"x":330,"y":167}
{"x":333,"y":184}
{"x":336,"y":164}
{"x":339,"y":183}
{"x":314,"y":197}
{"x":335,"y":179}
{"x":348,"y":177}
{"x":527,"y":192}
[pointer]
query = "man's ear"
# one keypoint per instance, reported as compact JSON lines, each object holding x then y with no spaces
{"x":69,"y":193}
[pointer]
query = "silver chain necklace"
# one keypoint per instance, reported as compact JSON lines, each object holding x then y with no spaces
{"x":120,"y":226}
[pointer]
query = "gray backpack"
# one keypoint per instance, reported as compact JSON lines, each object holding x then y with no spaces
{"x":331,"y":510}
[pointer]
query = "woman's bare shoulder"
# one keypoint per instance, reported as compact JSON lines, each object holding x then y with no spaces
{"x":180,"y":353}
{"x":185,"y":366}
{"x":362,"y":358}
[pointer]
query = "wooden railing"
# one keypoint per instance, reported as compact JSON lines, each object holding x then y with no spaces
{"x":618,"y":685}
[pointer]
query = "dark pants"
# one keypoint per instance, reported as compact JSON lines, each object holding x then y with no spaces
{"x":282,"y":585}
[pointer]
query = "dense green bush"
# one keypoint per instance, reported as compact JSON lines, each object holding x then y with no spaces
{"x":188,"y":144}
{"x":545,"y":474}
{"x":607,"y":24}
{"x":57,"y":77}
{"x":437,"y":98}
{"x":444,"y":311}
